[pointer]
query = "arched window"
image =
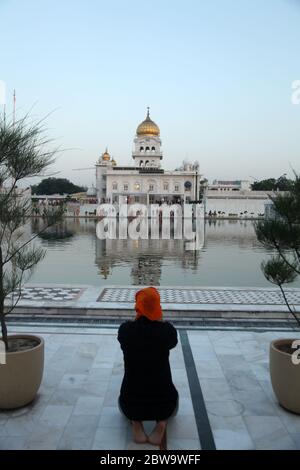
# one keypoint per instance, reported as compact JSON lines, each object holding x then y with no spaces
{"x":146,"y":162}
{"x":141,"y":162}
{"x":147,"y":149}
{"x":153,"y":149}
{"x":151,"y":185}
{"x":141,"y":149}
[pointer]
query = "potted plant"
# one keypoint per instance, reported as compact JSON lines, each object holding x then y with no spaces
{"x":23,"y":154}
{"x":281,"y":233}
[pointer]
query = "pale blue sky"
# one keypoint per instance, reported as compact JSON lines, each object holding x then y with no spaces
{"x":216,"y":74}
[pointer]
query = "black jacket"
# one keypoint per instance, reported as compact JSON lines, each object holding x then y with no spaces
{"x":147,"y":391}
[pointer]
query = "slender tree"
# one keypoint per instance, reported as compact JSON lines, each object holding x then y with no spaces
{"x":23,"y":154}
{"x":281,"y":233}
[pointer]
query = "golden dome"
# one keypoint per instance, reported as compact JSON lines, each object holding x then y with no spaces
{"x":147,"y":127}
{"x":106,"y":156}
{"x":113,"y":162}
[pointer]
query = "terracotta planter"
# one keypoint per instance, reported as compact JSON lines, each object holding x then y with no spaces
{"x":21,"y":376}
{"x":285,"y":376}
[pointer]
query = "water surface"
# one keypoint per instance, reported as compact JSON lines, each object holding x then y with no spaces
{"x":231,"y":256}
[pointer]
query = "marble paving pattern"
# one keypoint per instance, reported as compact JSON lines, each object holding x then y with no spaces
{"x":114,"y":300}
{"x":205,"y":296}
{"x":50,"y":293}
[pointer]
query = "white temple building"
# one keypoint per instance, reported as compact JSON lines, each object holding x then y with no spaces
{"x":146,"y":181}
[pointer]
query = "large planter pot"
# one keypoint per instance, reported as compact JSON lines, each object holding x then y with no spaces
{"x":285,"y":376}
{"x":21,"y":376}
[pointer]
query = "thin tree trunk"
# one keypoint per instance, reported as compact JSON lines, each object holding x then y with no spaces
{"x":2,"y":318}
{"x":4,"y":331}
{"x":288,"y":305}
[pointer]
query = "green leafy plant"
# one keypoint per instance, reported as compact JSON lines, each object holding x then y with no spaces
{"x":281,"y":233}
{"x":56,"y":186}
{"x":23,"y":154}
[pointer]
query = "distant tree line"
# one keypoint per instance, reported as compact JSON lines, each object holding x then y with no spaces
{"x":64,"y":186}
{"x":272,"y":184}
{"x":56,"y":186}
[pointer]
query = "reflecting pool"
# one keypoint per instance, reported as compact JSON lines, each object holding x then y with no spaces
{"x":231,"y":256}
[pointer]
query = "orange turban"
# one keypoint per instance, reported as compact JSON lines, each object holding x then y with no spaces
{"x":147,"y":304}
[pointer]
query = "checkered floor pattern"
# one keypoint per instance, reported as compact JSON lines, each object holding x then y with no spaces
{"x":205,"y":296}
{"x":50,"y":293}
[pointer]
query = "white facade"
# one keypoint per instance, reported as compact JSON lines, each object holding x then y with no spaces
{"x":236,"y":203}
{"x":236,"y":185}
{"x":135,"y":186}
{"x":145,"y":181}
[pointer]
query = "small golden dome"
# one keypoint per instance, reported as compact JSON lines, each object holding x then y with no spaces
{"x":113,"y":162}
{"x":147,"y":127}
{"x":106,"y":156}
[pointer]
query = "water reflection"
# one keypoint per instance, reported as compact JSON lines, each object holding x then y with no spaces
{"x":230,"y":256}
{"x":146,"y":258}
{"x":63,"y":231}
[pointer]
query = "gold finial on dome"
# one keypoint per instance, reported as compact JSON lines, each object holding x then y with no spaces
{"x":106,"y":156}
{"x":147,"y":127}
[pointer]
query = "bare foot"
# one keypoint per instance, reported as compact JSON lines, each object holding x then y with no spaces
{"x":156,"y":436}
{"x":139,"y":435}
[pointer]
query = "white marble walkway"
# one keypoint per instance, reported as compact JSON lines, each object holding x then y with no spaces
{"x":77,"y":403}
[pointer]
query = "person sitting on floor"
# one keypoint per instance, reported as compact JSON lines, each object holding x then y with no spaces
{"x":147,"y":391}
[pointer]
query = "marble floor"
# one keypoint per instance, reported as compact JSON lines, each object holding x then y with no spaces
{"x":85,"y":299}
{"x":207,"y":296}
{"x":77,"y":403}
